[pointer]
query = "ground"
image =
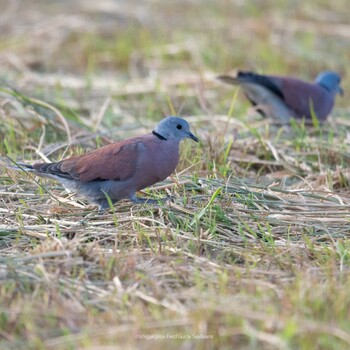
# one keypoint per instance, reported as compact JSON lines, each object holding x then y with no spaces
{"x":253,"y":252}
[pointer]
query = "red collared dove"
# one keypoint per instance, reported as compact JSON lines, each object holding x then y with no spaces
{"x":122,"y":168}
{"x":285,"y":97}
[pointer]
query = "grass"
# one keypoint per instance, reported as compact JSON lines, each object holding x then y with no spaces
{"x":254,"y":250}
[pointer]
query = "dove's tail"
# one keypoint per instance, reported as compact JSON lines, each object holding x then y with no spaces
{"x":10,"y":164}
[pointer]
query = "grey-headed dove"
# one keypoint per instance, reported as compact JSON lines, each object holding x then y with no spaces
{"x":284,"y":97}
{"x":121,"y":168}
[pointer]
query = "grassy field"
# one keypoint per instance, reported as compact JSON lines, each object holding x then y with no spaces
{"x":253,"y":253}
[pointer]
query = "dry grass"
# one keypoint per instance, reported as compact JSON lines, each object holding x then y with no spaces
{"x":254,"y":250}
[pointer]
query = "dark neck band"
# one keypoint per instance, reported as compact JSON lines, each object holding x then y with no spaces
{"x":158,"y":135}
{"x":324,"y":87}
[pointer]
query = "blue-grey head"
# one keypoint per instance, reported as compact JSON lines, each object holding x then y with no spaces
{"x":174,"y":128}
{"x":330,"y":81}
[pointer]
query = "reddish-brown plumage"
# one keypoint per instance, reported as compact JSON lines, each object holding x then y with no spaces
{"x":119,"y":161}
{"x":112,"y":162}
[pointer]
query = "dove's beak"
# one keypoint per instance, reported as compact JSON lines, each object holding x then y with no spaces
{"x":191,"y":136}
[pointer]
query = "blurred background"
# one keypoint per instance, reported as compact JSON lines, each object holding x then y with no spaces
{"x":159,"y":57}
